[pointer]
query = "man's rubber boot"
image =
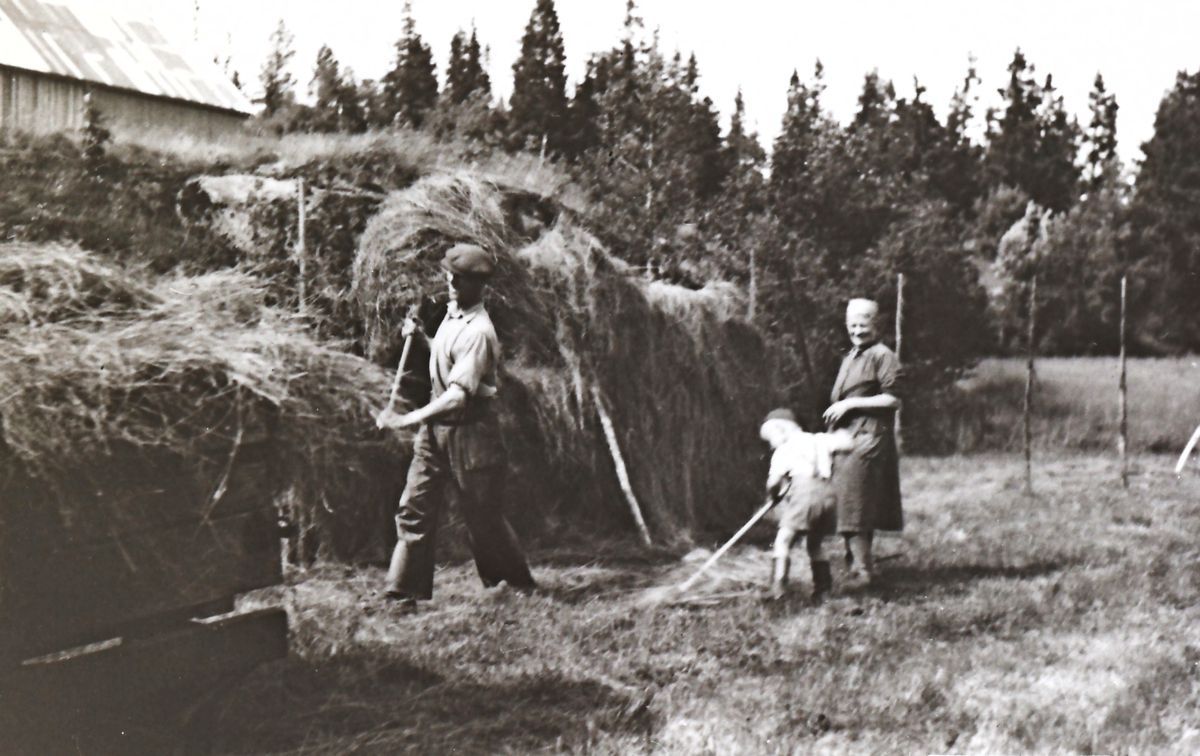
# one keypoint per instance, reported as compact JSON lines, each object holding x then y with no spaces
{"x":822,"y":577}
{"x":779,"y":577}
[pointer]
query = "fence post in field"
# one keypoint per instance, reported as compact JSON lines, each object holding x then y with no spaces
{"x":899,"y":344}
{"x":1122,"y":401}
{"x":300,"y":244}
{"x":753,"y":286}
{"x":1029,"y":387}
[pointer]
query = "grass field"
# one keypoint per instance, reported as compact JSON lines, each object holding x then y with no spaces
{"x":1065,"y":622}
{"x":1075,"y":404}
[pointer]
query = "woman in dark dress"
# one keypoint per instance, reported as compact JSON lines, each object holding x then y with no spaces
{"x":867,"y":478}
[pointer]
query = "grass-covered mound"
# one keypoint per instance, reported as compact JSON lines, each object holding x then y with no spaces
{"x":685,"y":378}
{"x":114,"y":390}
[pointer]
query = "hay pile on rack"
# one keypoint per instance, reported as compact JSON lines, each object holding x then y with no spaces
{"x":114,"y":390}
{"x":684,"y":377}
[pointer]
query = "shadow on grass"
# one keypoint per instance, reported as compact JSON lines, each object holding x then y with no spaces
{"x":904,"y":581}
{"x":616,"y":555}
{"x":356,"y":705}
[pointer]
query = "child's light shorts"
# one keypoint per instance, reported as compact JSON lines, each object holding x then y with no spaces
{"x":809,"y":506}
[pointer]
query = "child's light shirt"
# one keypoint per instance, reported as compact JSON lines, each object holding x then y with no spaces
{"x":803,"y":457}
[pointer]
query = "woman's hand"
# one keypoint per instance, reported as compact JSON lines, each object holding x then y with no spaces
{"x":836,"y":411}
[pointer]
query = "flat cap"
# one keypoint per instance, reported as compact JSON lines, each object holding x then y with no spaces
{"x":469,"y":260}
{"x":781,"y":414}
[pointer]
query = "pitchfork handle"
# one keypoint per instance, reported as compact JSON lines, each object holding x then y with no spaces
{"x":399,"y":372}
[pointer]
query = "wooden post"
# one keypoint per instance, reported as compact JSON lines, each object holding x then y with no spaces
{"x":1122,"y":400}
{"x":753,"y":286}
{"x":610,"y":435}
{"x":300,"y":255}
{"x":899,"y":344}
{"x":1029,"y":387}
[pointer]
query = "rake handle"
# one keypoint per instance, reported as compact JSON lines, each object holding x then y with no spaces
{"x":728,"y":545}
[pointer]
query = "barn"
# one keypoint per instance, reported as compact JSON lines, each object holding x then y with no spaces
{"x":52,"y":55}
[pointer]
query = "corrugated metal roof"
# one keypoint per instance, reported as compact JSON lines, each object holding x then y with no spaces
{"x":95,"y":46}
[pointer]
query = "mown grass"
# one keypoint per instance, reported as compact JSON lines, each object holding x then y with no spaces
{"x":1065,"y":622}
{"x":1075,"y":404}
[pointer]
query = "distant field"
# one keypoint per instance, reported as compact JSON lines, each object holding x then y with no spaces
{"x":1075,"y":404}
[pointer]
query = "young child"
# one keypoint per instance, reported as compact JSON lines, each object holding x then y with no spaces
{"x":798,"y":481}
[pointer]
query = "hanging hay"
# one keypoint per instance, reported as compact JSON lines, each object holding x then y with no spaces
{"x":685,"y":378}
{"x":48,"y":283}
{"x":113,"y":391}
{"x":398,"y":264}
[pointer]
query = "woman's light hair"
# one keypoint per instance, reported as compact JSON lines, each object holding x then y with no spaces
{"x":866,"y":306}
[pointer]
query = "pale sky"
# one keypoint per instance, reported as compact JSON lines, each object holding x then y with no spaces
{"x":754,"y":44}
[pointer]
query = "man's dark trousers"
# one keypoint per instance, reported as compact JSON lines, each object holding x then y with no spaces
{"x":469,"y":459}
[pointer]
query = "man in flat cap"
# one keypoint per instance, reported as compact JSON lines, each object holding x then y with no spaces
{"x":457,"y":445}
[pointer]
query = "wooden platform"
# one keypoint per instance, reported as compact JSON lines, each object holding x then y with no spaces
{"x":130,"y":596}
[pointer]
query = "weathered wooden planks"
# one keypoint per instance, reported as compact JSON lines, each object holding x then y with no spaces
{"x":197,"y":655}
{"x":59,"y":595}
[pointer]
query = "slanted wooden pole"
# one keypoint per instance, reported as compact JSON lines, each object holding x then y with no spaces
{"x":300,"y":255}
{"x":1029,"y":387}
{"x":1122,"y":401}
{"x":610,"y":434}
{"x":899,"y":346}
{"x":1187,"y":451}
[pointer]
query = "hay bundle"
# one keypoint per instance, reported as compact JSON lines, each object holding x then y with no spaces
{"x":684,"y":377}
{"x":398,"y":264}
{"x":103,"y":404}
{"x":48,"y":283}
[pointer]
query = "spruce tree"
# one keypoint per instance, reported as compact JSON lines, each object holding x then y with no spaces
{"x":1013,"y":137}
{"x":410,"y":89}
{"x":464,"y":70}
{"x":961,"y":110}
{"x":538,"y":106}
{"x":1165,"y":244}
{"x":352,"y":104}
{"x":651,"y":148}
{"x":326,"y":87}
{"x":456,"y":76}
{"x":1058,"y":151}
{"x":582,"y":132}
{"x":742,"y":198}
{"x":797,"y":138}
{"x":1101,"y":134}
{"x":277,"y":83}
{"x":1033,"y":146}
{"x":875,"y":102}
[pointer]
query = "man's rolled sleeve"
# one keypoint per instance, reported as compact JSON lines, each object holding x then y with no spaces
{"x":472,"y":363}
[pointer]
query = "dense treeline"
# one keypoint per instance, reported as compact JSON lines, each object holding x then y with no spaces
{"x":835,"y":210}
